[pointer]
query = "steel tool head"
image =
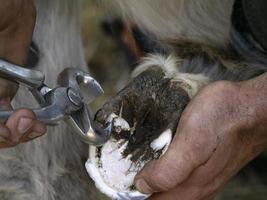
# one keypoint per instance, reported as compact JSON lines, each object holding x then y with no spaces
{"x":88,"y":87}
{"x":81,"y":121}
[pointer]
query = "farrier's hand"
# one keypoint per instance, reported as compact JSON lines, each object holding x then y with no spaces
{"x":221,"y":130}
{"x":17,"y":20}
{"x":22,"y":125}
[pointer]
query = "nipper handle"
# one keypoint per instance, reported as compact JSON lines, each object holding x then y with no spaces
{"x":29,"y":78}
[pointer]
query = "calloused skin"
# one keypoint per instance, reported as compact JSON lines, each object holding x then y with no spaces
{"x":221,"y":130}
{"x":17,"y":20}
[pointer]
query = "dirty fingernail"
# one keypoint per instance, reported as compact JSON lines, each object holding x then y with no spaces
{"x":24,"y":125}
{"x":34,"y":135}
{"x":142,"y":186}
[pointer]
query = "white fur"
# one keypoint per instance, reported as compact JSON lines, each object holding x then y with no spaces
{"x":191,"y":83}
{"x":167,"y":63}
{"x":206,"y":21}
{"x":162,"y":142}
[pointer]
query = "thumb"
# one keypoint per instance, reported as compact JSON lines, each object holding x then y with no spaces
{"x":4,"y":131}
{"x":5,"y":104}
{"x":188,"y":151}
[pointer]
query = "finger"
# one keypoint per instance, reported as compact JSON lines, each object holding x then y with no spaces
{"x":205,"y":182}
{"x":4,"y":132}
{"x":190,"y":149}
{"x":170,"y":170}
{"x":4,"y":137}
{"x":20,"y":123}
{"x":215,"y":166}
{"x":4,"y":105}
{"x":164,"y":195}
{"x":38,"y":129}
{"x":186,"y":192}
{"x":210,"y":197}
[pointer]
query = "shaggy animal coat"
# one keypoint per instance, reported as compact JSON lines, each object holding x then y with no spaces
{"x":195,"y":32}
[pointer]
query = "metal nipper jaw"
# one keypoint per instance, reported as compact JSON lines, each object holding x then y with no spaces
{"x":69,"y":101}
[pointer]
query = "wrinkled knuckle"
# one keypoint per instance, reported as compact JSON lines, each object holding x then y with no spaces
{"x":193,"y":157}
{"x":197,"y":193}
{"x":26,"y":113}
{"x":162,"y":180}
{"x":200,"y":151}
{"x":221,"y":84}
{"x":221,"y":87}
{"x":221,"y":93}
{"x":196,"y":147}
{"x":189,"y":157}
{"x":194,"y":121}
